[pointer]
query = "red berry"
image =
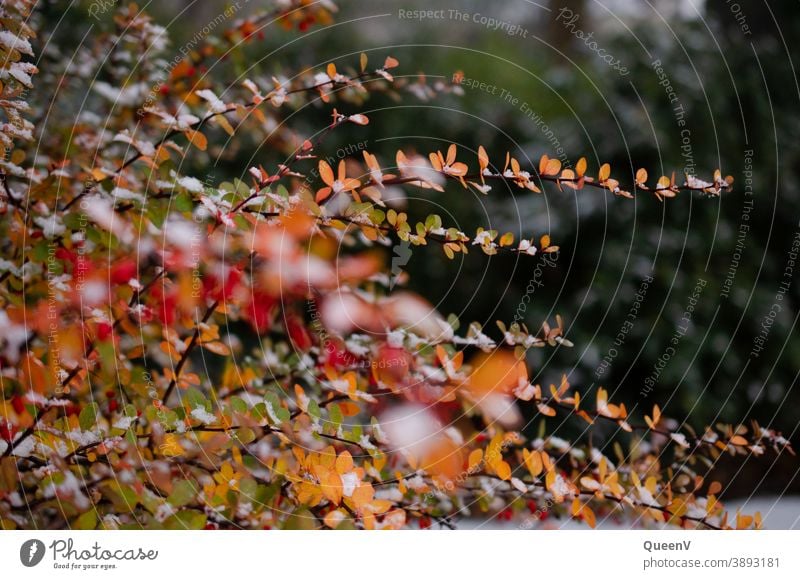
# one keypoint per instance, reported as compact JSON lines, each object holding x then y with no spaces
{"x":298,"y":333}
{"x":18,"y":404}
{"x":104,"y":330}
{"x":260,"y":310}
{"x":123,"y":271}
{"x":7,"y":431}
{"x":65,"y":254}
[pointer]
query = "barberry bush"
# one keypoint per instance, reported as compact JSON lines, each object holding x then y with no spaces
{"x":178,"y":351}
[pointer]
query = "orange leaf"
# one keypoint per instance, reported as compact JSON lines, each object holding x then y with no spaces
{"x":553,"y":167}
{"x":475,"y":458}
{"x":546,"y":410}
{"x":326,"y":173}
{"x":543,"y":163}
{"x":503,"y":470}
{"x":218,"y":348}
{"x":580,"y":167}
{"x":545,"y":241}
{"x":359,"y":119}
{"x":498,"y":372}
{"x":197,"y":139}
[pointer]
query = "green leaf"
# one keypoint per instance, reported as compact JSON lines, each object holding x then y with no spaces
{"x":335,"y":414}
{"x":454,"y":322}
{"x":248,"y":488}
{"x":277,"y":413}
{"x":238,"y":405}
{"x":245,"y":435}
{"x":301,"y":519}
{"x":195,"y":398}
{"x":88,"y":416}
{"x":87,"y":521}
{"x":192,"y":520}
{"x":313,"y":410}
{"x":40,"y":251}
{"x":183,"y":202}
{"x":183,"y":492}
{"x":242,"y":188}
{"x":377,"y":216}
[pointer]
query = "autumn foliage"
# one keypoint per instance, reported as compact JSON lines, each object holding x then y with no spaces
{"x":179,"y":352}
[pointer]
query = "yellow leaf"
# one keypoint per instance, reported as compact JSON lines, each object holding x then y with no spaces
{"x":503,"y":470}
{"x":171,"y":446}
{"x":197,"y":139}
{"x":335,"y":518}
{"x":223,"y":122}
{"x":743,"y":521}
{"x":344,"y":462}
{"x":18,"y":156}
{"x":588,"y":516}
{"x":507,"y":239}
{"x":605,"y":172}
{"x":475,"y":458}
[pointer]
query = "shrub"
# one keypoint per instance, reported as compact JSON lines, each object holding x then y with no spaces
{"x":179,"y":352}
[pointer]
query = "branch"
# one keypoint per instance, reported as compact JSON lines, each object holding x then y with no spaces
{"x":187,"y":352}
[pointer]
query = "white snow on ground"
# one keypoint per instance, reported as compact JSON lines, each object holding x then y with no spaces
{"x":778,"y":513}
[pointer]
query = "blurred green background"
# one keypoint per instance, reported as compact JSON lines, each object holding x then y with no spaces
{"x":725,"y":69}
